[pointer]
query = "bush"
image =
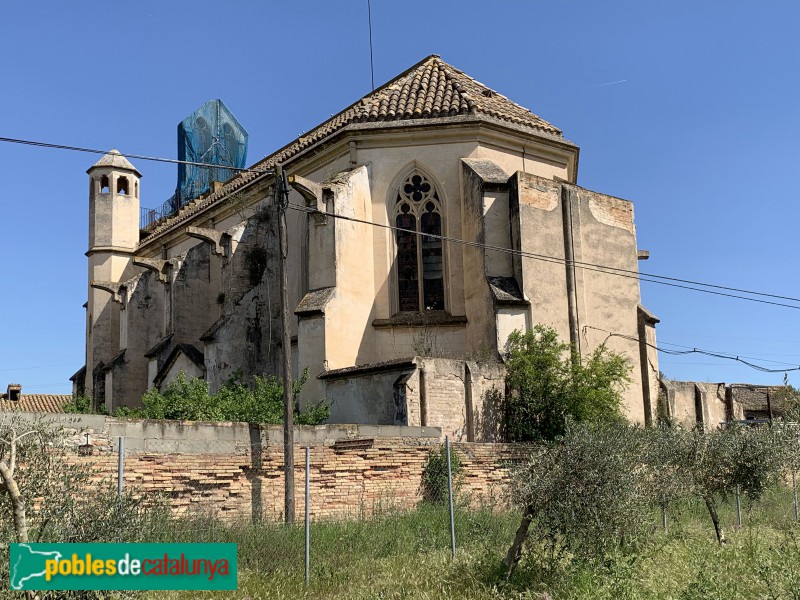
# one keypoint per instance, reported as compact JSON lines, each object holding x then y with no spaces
{"x":434,"y":475}
{"x":189,"y":399}
{"x":549,"y":385}
{"x":81,"y":405}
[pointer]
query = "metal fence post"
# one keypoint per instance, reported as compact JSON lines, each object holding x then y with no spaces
{"x":664,"y":516}
{"x":738,"y":509}
{"x":450,"y":496}
{"x":308,"y":519}
{"x":120,"y":464}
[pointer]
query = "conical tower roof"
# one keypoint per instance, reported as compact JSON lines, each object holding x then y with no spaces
{"x":115,"y":160}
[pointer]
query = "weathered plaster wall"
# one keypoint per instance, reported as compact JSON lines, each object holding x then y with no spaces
{"x":602,"y":233}
{"x":143,"y":319}
{"x":536,"y":205}
{"x":247,"y":335}
{"x":183,"y":364}
{"x":192,"y":313}
{"x":463,"y":398}
{"x":478,"y":305}
{"x":692,"y":403}
{"x":363,"y":399}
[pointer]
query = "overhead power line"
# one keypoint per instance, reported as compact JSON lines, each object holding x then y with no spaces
{"x":648,"y":278}
{"x":628,"y":273}
{"x":136,"y":156}
{"x":36,"y":368}
{"x":722,"y":355}
{"x":759,"y":358}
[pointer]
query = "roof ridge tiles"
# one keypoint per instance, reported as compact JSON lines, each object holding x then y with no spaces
{"x":431,"y":88}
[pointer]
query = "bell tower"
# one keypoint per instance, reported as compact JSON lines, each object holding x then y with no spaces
{"x":113,"y":239}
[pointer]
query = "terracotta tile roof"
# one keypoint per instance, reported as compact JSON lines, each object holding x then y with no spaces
{"x":47,"y":403}
{"x":754,"y":397}
{"x":431,"y":89}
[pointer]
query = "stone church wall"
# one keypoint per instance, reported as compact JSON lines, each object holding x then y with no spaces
{"x":463,"y":398}
{"x":692,"y":403}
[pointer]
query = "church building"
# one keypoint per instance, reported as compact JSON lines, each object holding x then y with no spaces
{"x":426,"y":222}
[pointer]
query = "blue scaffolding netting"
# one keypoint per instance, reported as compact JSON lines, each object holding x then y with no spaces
{"x":210,"y":135}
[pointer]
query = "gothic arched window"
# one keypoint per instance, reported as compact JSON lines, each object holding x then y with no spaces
{"x":420,"y":273}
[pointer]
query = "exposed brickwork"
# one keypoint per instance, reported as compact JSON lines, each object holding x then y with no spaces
{"x":611,"y":211}
{"x":235,"y":471}
{"x":344,"y":483}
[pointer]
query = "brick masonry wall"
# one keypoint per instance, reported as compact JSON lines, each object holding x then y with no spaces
{"x":233,"y":471}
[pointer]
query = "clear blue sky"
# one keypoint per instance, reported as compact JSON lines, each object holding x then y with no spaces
{"x":689,"y":109}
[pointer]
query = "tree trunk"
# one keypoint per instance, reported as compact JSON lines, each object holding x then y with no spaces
{"x":17,"y":503}
{"x":515,"y":551}
{"x":712,"y":510}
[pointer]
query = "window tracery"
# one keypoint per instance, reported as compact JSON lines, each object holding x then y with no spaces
{"x":420,"y":273}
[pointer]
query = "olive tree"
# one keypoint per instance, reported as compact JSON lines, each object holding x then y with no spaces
{"x":719,"y":462}
{"x":589,"y":492}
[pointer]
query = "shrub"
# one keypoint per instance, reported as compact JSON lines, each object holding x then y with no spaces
{"x":434,"y":475}
{"x":549,"y":385}
{"x":189,"y":399}
{"x":80,"y":405}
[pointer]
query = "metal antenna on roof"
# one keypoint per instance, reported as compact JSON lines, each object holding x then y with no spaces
{"x":371,"y":64}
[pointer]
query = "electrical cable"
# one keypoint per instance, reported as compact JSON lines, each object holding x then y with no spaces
{"x":33,"y":368}
{"x":136,"y":156}
{"x":631,"y":274}
{"x":760,"y":358}
{"x":733,"y":357}
{"x":553,"y":259}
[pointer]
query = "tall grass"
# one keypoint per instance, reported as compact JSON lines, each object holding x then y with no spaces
{"x":407,"y":555}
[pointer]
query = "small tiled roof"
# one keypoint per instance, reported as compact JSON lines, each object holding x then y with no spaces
{"x":431,"y":89}
{"x":505,"y":290}
{"x":159,"y":346}
{"x":46,"y":403}
{"x":115,"y":160}
{"x":386,"y":365}
{"x":754,"y":397}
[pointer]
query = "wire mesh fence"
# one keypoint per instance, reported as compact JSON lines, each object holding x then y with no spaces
{"x":219,"y":502}
{"x":228,"y":491}
{"x":775,"y":509}
{"x":221,"y":496}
